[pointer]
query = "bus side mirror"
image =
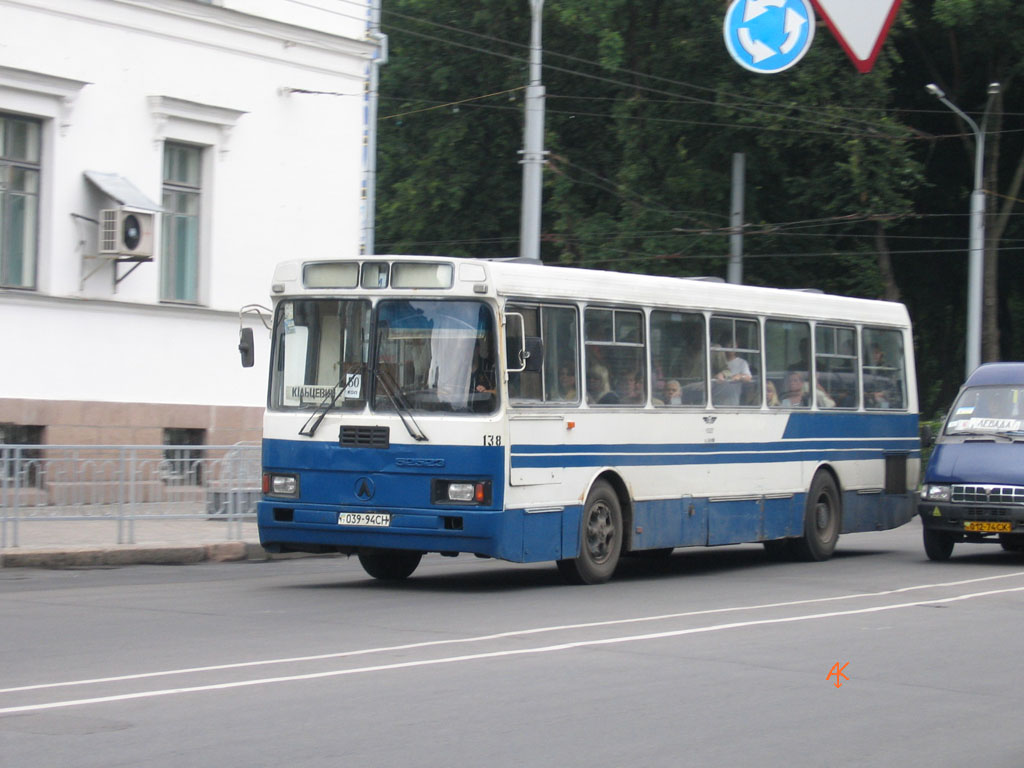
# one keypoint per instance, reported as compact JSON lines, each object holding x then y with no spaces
{"x":246,"y":347}
{"x":534,"y":355}
{"x":516,"y":355}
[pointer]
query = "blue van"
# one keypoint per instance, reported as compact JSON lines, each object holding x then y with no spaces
{"x":974,"y":484}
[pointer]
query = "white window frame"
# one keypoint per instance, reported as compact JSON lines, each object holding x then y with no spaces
{"x":51,"y":100}
{"x":209,"y":127}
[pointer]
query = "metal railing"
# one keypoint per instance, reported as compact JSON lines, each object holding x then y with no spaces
{"x":127,"y":483}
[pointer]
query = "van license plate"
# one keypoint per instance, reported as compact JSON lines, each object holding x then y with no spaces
{"x":365,"y":519}
{"x":985,"y":527}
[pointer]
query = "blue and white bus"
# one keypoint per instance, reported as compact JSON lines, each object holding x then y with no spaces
{"x":537,"y":413}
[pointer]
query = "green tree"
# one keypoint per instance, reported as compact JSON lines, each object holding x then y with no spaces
{"x":856,"y":184}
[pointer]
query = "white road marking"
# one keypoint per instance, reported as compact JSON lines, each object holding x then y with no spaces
{"x":535,"y":650}
{"x":501,"y":635}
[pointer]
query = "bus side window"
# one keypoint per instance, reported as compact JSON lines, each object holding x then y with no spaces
{"x":561,"y":355}
{"x":735,"y":362}
{"x":552,"y":368}
{"x":678,"y":359}
{"x":526,"y":384}
{"x":616,"y":359}
{"x":788,"y":352}
{"x":882,"y":369}
{"x":835,"y":360}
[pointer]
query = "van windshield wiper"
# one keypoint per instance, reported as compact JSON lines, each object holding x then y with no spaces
{"x":975,"y":434}
{"x":396,"y":398}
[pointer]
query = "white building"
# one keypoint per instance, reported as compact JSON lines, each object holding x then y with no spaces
{"x":219,"y":137}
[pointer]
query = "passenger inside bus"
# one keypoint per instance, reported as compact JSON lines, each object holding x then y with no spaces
{"x":793,"y":394}
{"x":673,"y":392}
{"x":630,"y":387}
{"x":482,"y":377}
{"x":567,"y":382}
{"x":598,"y":386}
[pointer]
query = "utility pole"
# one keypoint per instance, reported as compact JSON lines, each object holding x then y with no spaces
{"x":739,"y":167}
{"x":380,"y":58}
{"x":533,"y":145}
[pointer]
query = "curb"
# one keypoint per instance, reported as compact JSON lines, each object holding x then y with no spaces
{"x":142,"y":554}
{"x":132,"y":554}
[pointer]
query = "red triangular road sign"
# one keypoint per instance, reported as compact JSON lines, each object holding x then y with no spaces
{"x":860,"y":26}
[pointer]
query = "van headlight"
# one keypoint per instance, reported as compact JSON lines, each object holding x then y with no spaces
{"x":933,"y":492}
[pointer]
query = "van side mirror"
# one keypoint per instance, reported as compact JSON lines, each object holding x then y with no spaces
{"x":927,"y":436}
{"x":246,"y":347}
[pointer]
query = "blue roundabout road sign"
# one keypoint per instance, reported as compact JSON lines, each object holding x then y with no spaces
{"x":768,"y":36}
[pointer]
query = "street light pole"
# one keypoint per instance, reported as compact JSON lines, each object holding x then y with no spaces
{"x":975,"y":265}
{"x":533,"y":145}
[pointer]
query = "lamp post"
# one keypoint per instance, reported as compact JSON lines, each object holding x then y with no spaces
{"x":975,"y":265}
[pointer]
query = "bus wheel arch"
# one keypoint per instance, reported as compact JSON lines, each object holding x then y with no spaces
{"x":604,"y":521}
{"x":823,"y":517}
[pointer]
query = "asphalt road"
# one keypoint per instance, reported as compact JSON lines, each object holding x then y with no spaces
{"x":718,"y":657}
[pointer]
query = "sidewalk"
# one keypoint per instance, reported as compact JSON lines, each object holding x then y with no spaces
{"x":80,"y":543}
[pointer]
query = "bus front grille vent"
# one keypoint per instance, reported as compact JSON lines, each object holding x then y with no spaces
{"x":365,"y":437}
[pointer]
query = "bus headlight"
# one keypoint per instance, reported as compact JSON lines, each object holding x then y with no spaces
{"x":935,"y":492}
{"x":461,"y":492}
{"x":281,"y":485}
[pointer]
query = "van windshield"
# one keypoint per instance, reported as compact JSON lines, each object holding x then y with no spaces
{"x":987,"y":410}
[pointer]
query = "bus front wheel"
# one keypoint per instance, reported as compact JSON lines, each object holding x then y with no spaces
{"x":389,"y":564}
{"x":601,"y":534}
{"x":822,"y":520}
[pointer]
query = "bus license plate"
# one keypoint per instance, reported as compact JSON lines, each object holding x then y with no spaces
{"x":985,"y":527}
{"x":365,"y":519}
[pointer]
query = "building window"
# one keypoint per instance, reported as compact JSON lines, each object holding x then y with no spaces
{"x":20,"y":466}
{"x":183,"y":463}
{"x":179,"y":274}
{"x":19,"y":200}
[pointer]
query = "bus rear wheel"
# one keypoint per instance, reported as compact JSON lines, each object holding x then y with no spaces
{"x":389,"y":564}
{"x":601,"y":539}
{"x":822,"y":520}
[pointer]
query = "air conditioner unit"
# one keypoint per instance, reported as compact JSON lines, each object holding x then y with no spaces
{"x":126,"y":233}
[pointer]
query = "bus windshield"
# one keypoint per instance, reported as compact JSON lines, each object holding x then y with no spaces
{"x":430,"y":355}
{"x":435,"y":356}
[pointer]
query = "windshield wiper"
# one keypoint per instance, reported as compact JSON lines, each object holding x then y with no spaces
{"x":395,"y":396}
{"x":320,"y":412}
{"x":985,"y":435}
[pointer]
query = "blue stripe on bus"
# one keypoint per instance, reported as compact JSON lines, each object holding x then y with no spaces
{"x":751,"y":455}
{"x":801,"y":426}
{"x":807,"y":437}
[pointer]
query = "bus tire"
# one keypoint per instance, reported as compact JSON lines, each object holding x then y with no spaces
{"x":938,"y":545}
{"x":389,"y":564}
{"x":822,"y":520}
{"x":600,"y":539}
